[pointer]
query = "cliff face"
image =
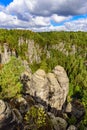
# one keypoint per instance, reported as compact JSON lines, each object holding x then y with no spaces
{"x":34,"y":52}
{"x":6,"y":53}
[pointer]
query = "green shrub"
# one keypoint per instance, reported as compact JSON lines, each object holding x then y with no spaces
{"x":72,"y":120}
{"x":37,"y":119}
{"x":10,"y":85}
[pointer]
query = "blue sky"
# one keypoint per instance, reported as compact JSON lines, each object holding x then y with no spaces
{"x":47,"y":15}
{"x":5,"y":2}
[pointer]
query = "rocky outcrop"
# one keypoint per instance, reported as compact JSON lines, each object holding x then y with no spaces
{"x":8,"y":119}
{"x":51,"y":88}
{"x":71,"y":49}
{"x":34,"y":52}
{"x":39,"y":85}
{"x":13,"y":113}
{"x":6,"y":54}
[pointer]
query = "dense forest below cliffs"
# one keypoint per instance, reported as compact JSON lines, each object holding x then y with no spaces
{"x":45,"y":50}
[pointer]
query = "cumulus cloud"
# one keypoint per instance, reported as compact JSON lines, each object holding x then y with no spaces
{"x":38,"y":14}
{"x":58,"y":18}
{"x":60,"y":7}
{"x":75,"y":25}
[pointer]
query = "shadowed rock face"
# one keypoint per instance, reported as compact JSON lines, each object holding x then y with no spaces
{"x":51,"y":88}
{"x":7,"y":118}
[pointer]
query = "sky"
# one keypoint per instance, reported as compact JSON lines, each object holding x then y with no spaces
{"x":44,"y":15}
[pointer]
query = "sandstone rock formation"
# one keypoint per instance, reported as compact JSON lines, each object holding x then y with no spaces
{"x":34,"y":51}
{"x":51,"y":88}
{"x":6,"y":54}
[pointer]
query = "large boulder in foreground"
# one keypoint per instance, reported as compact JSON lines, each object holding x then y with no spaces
{"x":51,"y":88}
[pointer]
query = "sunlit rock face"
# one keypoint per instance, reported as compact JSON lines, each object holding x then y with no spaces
{"x":34,"y":52}
{"x":6,"y":53}
{"x":50,"y":87}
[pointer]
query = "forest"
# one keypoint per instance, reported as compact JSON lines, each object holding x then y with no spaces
{"x":68,"y":49}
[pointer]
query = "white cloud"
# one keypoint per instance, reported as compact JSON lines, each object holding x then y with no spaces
{"x":41,"y":21}
{"x":77,"y":25}
{"x":60,"y":7}
{"x":58,"y":19}
{"x":38,"y":15}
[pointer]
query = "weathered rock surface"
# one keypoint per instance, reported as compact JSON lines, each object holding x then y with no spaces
{"x":39,"y":87}
{"x":57,"y":122}
{"x":68,"y":107}
{"x":12,"y":118}
{"x":72,"y":127}
{"x":34,"y":51}
{"x":51,"y":88}
{"x":6,"y":54}
{"x":7,"y":118}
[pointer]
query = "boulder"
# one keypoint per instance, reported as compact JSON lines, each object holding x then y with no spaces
{"x":57,"y":122}
{"x":62,"y":123}
{"x":72,"y":127}
{"x":68,"y":107}
{"x":54,"y":121}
